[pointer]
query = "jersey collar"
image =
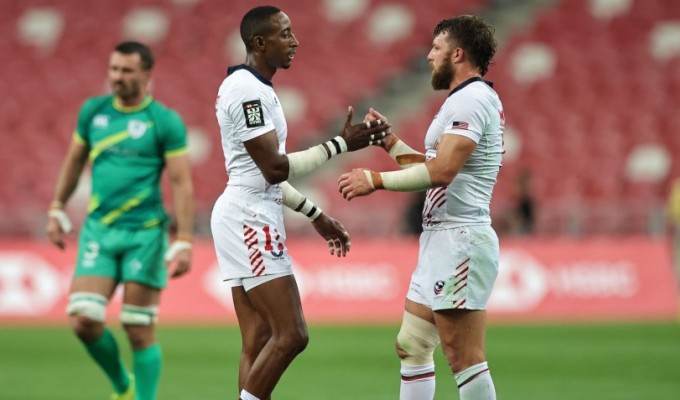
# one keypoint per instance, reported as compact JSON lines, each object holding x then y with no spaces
{"x":250,"y":69}
{"x":469,"y":81}
{"x":130,"y":109}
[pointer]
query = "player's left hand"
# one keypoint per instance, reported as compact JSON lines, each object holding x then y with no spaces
{"x":334,"y":233}
{"x":353,"y":184}
{"x":178,"y":258}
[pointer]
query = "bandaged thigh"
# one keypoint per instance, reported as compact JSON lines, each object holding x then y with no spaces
{"x":139,"y":315}
{"x":418,"y":339}
{"x":87,"y":304}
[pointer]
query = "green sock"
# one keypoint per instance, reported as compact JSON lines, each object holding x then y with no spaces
{"x":147,"y":363}
{"x":105,"y":352}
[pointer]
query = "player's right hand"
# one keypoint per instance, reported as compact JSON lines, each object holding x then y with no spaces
{"x":58,"y":224}
{"x":374,"y":115}
{"x":361,"y":135}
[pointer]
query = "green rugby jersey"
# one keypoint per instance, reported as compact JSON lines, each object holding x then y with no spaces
{"x":127,"y":150}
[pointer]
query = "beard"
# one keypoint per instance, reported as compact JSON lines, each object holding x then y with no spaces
{"x":126,"y":92}
{"x":442,"y":78}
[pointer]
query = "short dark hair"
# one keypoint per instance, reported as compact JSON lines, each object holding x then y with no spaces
{"x":256,"y":23}
{"x":144,"y":52}
{"x":473,"y":35}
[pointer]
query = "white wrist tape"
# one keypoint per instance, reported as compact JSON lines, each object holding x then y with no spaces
{"x":299,"y":203}
{"x":176,"y":247}
{"x":414,"y":179}
{"x":62,"y":219}
{"x":303,"y":162}
{"x":404,"y":155}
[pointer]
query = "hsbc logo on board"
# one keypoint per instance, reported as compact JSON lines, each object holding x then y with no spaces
{"x":29,"y":285}
{"x":523,"y":282}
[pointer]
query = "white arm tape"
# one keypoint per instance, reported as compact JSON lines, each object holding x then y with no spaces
{"x":303,"y":162}
{"x":297,"y":202}
{"x":176,"y":247}
{"x":62,"y":219}
{"x":404,"y":155}
{"x":414,"y":179}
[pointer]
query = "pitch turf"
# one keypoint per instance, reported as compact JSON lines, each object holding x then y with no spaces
{"x":556,"y":362}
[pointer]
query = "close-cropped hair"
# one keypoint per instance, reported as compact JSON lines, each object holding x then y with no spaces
{"x":144,"y":52}
{"x":256,"y":23}
{"x":474,"y":36}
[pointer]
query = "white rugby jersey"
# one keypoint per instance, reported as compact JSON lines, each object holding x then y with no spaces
{"x":473,"y":110}
{"x":247,"y":107}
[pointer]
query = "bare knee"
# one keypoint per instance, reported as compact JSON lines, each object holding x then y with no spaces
{"x":140,"y":336}
{"x":293,"y":342}
{"x":86,"y":329}
{"x":254,"y":342}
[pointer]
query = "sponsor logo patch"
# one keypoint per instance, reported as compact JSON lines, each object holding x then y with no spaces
{"x":438,"y":286}
{"x":253,"y":113}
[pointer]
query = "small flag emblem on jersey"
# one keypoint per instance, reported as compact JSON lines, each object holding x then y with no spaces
{"x":459,"y":125}
{"x":253,"y":113}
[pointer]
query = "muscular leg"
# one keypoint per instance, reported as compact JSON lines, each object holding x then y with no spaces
{"x":462,"y":334}
{"x":278,"y":302}
{"x":138,"y":299}
{"x":255,"y":333}
{"x":87,"y":321}
{"x":415,"y":346}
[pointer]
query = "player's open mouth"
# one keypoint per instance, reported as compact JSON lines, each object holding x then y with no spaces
{"x":291,"y":56}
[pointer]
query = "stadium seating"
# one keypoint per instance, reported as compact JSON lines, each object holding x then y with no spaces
{"x":584,"y":85}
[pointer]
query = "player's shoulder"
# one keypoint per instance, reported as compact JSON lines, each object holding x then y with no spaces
{"x":244,"y":79}
{"x":164,"y":112}
{"x":97,"y":102}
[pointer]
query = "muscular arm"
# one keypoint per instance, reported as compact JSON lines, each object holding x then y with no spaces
{"x":71,"y":168}
{"x":179,"y":173}
{"x":452,"y":153}
{"x":264,"y":150}
{"x":276,"y":168}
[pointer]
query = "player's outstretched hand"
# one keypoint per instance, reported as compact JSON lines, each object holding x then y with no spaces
{"x":385,"y":142}
{"x":335,"y":234}
{"x":361,"y":135}
{"x":178,"y":258}
{"x":353,"y":184}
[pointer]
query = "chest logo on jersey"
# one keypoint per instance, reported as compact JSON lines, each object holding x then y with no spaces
{"x":100,"y":121}
{"x":136,"y":128}
{"x":253,"y":113}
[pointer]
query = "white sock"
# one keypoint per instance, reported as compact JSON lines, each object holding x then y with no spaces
{"x":247,"y":396}
{"x":417,"y":383}
{"x":475,"y":383}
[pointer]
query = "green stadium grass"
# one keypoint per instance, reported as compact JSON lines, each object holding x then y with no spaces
{"x":555,"y":362}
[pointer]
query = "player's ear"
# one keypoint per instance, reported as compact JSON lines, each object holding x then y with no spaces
{"x":259,"y":42}
{"x":457,"y":54}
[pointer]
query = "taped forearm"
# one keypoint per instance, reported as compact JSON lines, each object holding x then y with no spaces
{"x":413,"y":179}
{"x":403,"y":154}
{"x":296,"y":201}
{"x":303,"y":162}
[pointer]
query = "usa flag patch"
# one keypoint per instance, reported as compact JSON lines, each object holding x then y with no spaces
{"x":459,"y":125}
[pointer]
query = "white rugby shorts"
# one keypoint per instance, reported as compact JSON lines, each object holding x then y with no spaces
{"x":456,"y":269}
{"x":249,"y":237}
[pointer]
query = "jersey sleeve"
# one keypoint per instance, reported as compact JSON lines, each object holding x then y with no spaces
{"x":174,"y":135}
{"x":465,"y":116}
{"x":250,"y":107}
{"x":81,"y":133}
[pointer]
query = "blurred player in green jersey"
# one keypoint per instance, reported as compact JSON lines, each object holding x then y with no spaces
{"x":129,"y":138}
